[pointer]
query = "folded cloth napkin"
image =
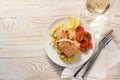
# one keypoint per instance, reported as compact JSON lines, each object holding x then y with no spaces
{"x":108,"y":56}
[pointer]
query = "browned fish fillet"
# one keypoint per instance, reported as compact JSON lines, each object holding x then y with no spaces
{"x":68,"y":47}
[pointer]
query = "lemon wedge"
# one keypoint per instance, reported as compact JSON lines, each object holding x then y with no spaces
{"x":73,"y":22}
{"x":77,"y":22}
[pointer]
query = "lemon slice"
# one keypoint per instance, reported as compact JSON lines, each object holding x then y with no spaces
{"x":71,"y":20}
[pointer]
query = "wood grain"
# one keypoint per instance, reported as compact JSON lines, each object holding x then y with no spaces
{"x":23,"y":24}
{"x":36,"y":68}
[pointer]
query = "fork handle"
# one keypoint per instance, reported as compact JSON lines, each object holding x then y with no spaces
{"x":91,"y":62}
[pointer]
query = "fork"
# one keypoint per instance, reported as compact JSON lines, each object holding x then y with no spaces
{"x":91,"y":60}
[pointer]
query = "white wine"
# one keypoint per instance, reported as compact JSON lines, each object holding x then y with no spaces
{"x":98,"y":6}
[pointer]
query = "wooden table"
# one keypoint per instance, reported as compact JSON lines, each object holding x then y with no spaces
{"x":23,"y":24}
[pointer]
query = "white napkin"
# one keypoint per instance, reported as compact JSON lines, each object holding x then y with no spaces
{"x":108,"y":56}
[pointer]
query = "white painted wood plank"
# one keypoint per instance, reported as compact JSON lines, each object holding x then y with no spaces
{"x":29,"y":69}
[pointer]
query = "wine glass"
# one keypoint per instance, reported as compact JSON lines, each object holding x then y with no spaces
{"x":97,"y":15}
{"x":99,"y":6}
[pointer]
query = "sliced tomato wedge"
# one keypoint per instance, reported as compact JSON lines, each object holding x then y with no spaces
{"x":84,"y":45}
{"x":88,"y":35}
{"x":84,"y":42}
{"x":83,"y":49}
{"x":80,"y":29}
{"x":79,"y":36}
{"x":90,"y":45}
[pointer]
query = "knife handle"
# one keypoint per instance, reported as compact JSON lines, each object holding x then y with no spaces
{"x":91,"y":62}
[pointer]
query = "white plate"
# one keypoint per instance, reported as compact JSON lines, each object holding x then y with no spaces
{"x":52,"y":53}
